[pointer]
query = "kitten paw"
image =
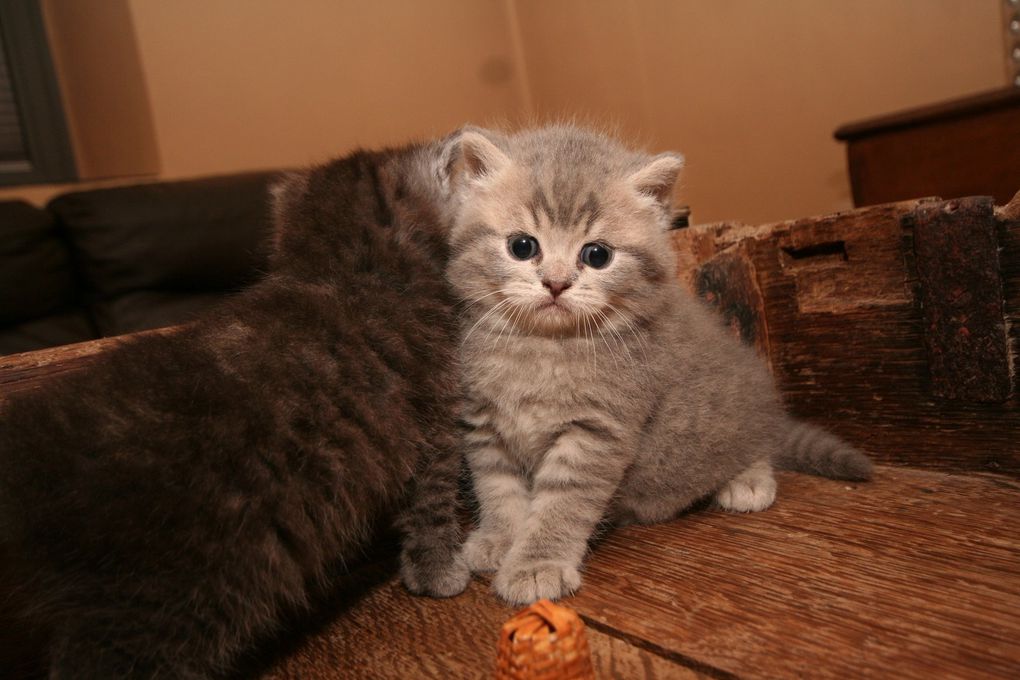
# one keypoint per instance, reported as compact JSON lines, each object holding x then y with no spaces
{"x":526,"y":583}
{"x":438,"y":574}
{"x":484,"y":551}
{"x":750,"y":491}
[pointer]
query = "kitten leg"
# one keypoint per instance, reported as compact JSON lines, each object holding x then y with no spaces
{"x":571,"y":492}
{"x":430,"y":559}
{"x":503,"y":504}
{"x":752,"y":490}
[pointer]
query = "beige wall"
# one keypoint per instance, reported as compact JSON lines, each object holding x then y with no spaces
{"x":264,"y":83}
{"x":749,"y":90}
{"x":247,"y":84}
{"x":103,"y":87}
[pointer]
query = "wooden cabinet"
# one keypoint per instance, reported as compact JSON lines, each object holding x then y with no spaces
{"x":966,"y":147}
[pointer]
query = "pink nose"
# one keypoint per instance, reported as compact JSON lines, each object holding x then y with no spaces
{"x":556,"y":287}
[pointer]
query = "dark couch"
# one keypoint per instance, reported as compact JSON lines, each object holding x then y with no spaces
{"x":111,"y":261}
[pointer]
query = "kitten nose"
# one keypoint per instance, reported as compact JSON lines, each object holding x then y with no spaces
{"x":556,"y":287}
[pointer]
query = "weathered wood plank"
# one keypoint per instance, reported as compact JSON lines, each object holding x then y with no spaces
{"x":895,"y":578}
{"x":729,"y":284}
{"x":956,"y":249}
{"x":1009,"y":257}
{"x":20,"y":372}
{"x":29,"y":370}
{"x":845,"y":333}
{"x":389,"y":634}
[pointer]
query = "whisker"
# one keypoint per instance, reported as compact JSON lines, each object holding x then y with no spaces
{"x":498,"y":305}
{"x":615,"y":334}
{"x":508,"y":320}
{"x":594,"y":353}
{"x":504,"y":317}
{"x":616,"y":361}
{"x":642,"y":342}
{"x":471,"y":302}
{"x":517,"y":316}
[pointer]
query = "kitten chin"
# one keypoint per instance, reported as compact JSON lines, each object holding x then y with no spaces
{"x":550,"y":319}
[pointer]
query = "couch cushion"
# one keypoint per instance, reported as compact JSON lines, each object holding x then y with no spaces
{"x":187,"y":237}
{"x":143,"y":309}
{"x":36,"y":278}
{"x":59,"y":328}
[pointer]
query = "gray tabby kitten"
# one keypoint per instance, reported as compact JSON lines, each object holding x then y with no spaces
{"x":596,"y":387}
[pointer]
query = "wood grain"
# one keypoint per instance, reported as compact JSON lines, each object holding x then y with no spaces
{"x":846,"y":337}
{"x":390,"y":634}
{"x":914,"y":575}
{"x":30,"y":370}
{"x":956,"y":256}
{"x":20,"y":372}
{"x":896,"y":578}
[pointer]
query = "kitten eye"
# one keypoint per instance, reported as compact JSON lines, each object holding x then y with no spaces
{"x":523,"y":247}
{"x":596,"y":255}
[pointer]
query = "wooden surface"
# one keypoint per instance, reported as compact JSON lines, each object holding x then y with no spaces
{"x":29,"y":370}
{"x":836,"y":304}
{"x":915,"y":575}
{"x":952,"y":149}
{"x":959,"y":276}
{"x":389,"y":633}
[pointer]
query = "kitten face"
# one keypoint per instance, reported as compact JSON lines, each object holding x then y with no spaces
{"x":564,"y":242}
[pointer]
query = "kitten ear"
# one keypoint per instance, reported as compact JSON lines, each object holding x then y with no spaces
{"x":475,"y":156}
{"x":658,"y":177}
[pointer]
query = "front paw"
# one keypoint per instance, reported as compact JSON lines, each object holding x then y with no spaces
{"x":484,"y":551}
{"x":526,"y":582}
{"x":439,"y":573}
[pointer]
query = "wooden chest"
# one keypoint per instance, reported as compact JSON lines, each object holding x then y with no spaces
{"x":896,"y":326}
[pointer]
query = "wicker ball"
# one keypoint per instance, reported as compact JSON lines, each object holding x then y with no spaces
{"x":546,"y":641}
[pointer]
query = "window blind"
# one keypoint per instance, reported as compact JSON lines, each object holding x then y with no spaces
{"x":12,"y":143}
{"x":34,"y":144}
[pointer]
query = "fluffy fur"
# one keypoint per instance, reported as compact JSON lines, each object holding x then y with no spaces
{"x":597,"y":391}
{"x":171,"y":503}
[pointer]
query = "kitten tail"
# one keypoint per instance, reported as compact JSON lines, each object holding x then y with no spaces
{"x":811,"y":449}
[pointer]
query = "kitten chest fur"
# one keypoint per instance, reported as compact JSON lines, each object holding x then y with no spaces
{"x":529,"y":388}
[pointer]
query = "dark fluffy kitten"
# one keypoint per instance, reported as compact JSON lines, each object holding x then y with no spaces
{"x":172,"y":502}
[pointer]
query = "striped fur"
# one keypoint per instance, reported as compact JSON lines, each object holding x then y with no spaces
{"x":618,"y":398}
{"x":809,"y":448}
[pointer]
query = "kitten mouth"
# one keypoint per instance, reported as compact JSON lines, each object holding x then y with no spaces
{"x":553,"y":306}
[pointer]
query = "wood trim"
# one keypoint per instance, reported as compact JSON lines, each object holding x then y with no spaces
{"x":30,"y":370}
{"x":935,"y":113}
